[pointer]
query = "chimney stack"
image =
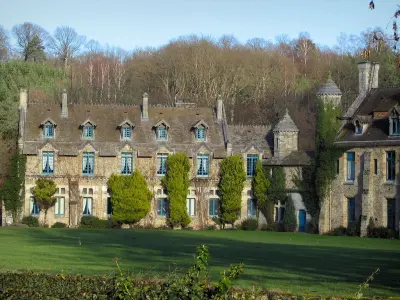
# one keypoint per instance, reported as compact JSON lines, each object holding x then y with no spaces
{"x":220,"y":108}
{"x":368,"y":75}
{"x":145,"y":107}
{"x":64,"y":104}
{"x":228,"y":148}
{"x":23,"y":99}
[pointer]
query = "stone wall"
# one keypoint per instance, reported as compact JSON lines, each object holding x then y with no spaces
{"x":370,"y":190}
{"x":285,"y":143}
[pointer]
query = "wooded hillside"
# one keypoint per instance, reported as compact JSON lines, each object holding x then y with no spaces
{"x":257,"y":79}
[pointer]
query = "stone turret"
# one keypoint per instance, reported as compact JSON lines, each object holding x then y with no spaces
{"x":286,"y":137}
{"x":329,"y":93}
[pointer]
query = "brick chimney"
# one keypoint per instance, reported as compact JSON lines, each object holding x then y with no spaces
{"x":145,"y":107}
{"x":64,"y":104}
{"x":368,"y":75}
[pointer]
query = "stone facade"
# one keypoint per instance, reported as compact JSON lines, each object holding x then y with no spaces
{"x":68,"y":146}
{"x":365,"y":183}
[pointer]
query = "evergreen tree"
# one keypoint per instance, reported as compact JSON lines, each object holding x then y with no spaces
{"x":277,"y":177}
{"x":10,"y":192}
{"x":260,"y":185}
{"x":130,"y":197}
{"x":231,"y":184}
{"x":34,"y":50}
{"x":44,"y":195}
{"x":289,"y":219}
{"x":176,"y":181}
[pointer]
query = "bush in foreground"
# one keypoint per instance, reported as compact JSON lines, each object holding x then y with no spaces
{"x":59,"y":225}
{"x":249,"y":224}
{"x":31,"y":221}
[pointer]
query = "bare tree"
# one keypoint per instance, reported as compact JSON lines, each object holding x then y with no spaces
{"x":25,"y":33}
{"x":66,"y":43}
{"x":4,"y":45}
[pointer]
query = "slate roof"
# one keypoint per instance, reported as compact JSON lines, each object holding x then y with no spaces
{"x":243,"y":137}
{"x":300,"y":158}
{"x":329,"y":88}
{"x":286,"y":124}
{"x":107,"y":135}
{"x":377,"y":131}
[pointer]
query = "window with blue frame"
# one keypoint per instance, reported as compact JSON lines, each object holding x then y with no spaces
{"x":162,"y":133}
{"x":88,"y":132}
{"x":34,"y":207}
{"x":395,"y":128}
{"x":191,"y":206}
{"x":126,"y":133}
{"x":358,"y":128}
{"x":201,"y":134}
{"x":252,"y":207}
{"x":351,"y":166}
{"x":126,"y":163}
{"x":251,"y":164}
{"x":213,"y":207}
{"x":161,"y":163}
{"x":162,"y":207}
{"x":87,"y":206}
{"x":59,"y":207}
{"x":47,"y":163}
{"x":48,"y":131}
{"x":390,"y":165}
{"x":109,"y":208}
{"x":88,"y":163}
{"x":203,"y":165}
{"x":351,"y":211}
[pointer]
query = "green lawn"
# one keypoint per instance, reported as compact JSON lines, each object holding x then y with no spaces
{"x":297,"y":263}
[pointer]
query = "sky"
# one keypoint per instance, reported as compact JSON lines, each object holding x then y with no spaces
{"x":130,"y":24}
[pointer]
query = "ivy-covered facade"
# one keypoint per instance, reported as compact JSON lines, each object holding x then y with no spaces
{"x":81,"y":146}
{"x":365,"y":183}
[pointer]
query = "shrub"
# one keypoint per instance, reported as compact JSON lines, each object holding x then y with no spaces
{"x":31,"y":221}
{"x":260,"y":186}
{"x":289,"y":220}
{"x":269,"y":227}
{"x":212,"y":227}
{"x":231,"y":184}
{"x":130,"y":197}
{"x":177,"y":182}
{"x":94,"y":223}
{"x":59,"y":225}
{"x":43,"y":192}
{"x":249,"y":224}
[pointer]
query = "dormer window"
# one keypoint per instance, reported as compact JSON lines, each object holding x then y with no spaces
{"x":88,"y":128}
{"x":161,"y":128}
{"x":395,"y":130}
{"x":358,"y":127}
{"x":48,"y":128}
{"x":126,"y":133}
{"x":200,"y":131}
{"x":161,"y":133}
{"x":48,"y":131}
{"x":126,"y":130}
{"x":200,"y":134}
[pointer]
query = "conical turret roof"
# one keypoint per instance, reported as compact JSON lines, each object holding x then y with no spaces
{"x":286,"y":124}
{"x":329,"y":88}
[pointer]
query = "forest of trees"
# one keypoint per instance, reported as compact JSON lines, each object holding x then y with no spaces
{"x":257,"y":79}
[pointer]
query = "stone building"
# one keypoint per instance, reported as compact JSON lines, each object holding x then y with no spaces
{"x":367,"y":181}
{"x":79,"y":146}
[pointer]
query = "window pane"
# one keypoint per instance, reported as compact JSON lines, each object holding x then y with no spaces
{"x":87,"y":206}
{"x":202,"y":165}
{"x":390,"y":165}
{"x":88,"y":163}
{"x":200,"y":134}
{"x":391,"y":213}
{"x":161,"y":166}
{"x":251,"y":164}
{"x":161,"y":133}
{"x":395,"y":126}
{"x":351,"y":210}
{"x":213,"y":207}
{"x":350,"y":166}
{"x":162,"y":207}
{"x":251,"y":207}
{"x":191,"y":206}
{"x":126,"y":163}
{"x":88,"y":131}
{"x":48,"y":162}
{"x":126,"y":133}
{"x":109,"y":206}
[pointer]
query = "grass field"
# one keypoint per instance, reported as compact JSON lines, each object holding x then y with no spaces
{"x":297,"y":263}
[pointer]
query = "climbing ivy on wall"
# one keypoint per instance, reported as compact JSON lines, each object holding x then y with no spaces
{"x":261,"y":185}
{"x":177,"y":182}
{"x":10,"y":192}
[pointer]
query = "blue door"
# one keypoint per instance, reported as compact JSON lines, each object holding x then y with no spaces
{"x":302,"y":220}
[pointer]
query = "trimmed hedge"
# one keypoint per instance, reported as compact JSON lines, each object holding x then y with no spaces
{"x":59,"y":225}
{"x":95,"y":223}
{"x":31,"y":221}
{"x":249,"y":224}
